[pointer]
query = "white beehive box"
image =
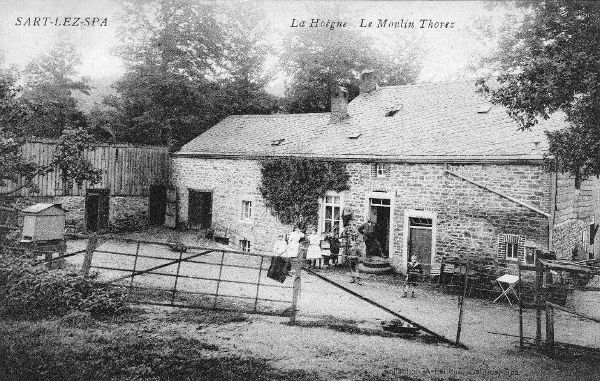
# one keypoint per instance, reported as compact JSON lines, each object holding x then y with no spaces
{"x":43,"y":222}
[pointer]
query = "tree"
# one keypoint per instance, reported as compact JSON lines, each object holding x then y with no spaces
{"x":188,"y":66}
{"x":553,"y":64}
{"x":50,"y":80}
{"x":318,"y":59}
{"x":17,"y":114}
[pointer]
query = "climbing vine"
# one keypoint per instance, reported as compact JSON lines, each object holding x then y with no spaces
{"x":292,"y":187}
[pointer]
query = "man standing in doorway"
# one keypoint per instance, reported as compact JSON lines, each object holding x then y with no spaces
{"x":368,"y":232}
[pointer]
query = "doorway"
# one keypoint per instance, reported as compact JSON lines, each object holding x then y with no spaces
{"x":379,"y":210}
{"x":200,"y":209}
{"x":420,"y":236}
{"x":97,"y":204}
{"x":157,"y":204}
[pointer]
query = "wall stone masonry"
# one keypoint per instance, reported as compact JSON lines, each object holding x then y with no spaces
{"x":121,"y":207}
{"x":469,"y":219}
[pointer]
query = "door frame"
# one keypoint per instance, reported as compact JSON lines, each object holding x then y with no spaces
{"x":408,"y":213}
{"x":212,"y":201}
{"x":388,"y":196}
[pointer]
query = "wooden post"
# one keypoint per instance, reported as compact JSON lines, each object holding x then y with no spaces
{"x":297,"y":283}
{"x":262,"y":259}
{"x":549,"y":329}
{"x":89,"y":252}
{"x":219,"y":279}
{"x":520,"y":296}
{"x":177,"y":275}
{"x":137,"y":253}
{"x":538,"y":301}
{"x":461,"y":303}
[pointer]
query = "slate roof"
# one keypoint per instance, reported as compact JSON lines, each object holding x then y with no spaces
{"x":36,"y":208}
{"x":434,"y":120}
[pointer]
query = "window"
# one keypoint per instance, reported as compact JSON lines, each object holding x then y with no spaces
{"x":332,"y":213}
{"x":246,"y":210}
{"x":380,"y":170}
{"x":511,"y":247}
{"x":512,"y":251}
{"x":245,"y":245}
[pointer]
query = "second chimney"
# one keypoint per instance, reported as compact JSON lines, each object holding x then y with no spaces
{"x":339,"y":104}
{"x":368,"y":81}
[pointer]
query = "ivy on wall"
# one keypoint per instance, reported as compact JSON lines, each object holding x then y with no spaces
{"x":292,"y":187}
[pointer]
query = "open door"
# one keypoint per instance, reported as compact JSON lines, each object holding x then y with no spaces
{"x":200,"y":209}
{"x":97,"y":204}
{"x":157,"y":204}
{"x":380,"y":214}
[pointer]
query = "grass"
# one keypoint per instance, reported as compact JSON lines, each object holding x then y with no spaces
{"x":129,"y":347}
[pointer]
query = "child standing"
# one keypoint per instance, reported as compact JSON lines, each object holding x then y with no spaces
{"x":413,"y":273}
{"x":314,"y":249}
{"x":280,"y":246}
{"x":334,"y":247}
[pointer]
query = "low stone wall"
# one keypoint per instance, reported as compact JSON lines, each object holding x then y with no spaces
{"x":124,"y":211}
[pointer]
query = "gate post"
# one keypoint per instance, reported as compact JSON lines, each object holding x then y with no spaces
{"x":297,"y":282}
{"x":89,"y":251}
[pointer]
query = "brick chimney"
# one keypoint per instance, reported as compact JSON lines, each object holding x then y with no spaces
{"x":368,"y":81}
{"x":339,"y":104}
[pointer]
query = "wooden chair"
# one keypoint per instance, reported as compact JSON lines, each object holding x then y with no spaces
{"x":435,"y":271}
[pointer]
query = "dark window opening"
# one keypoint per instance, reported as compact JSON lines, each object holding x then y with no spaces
{"x":245,"y":245}
{"x":421,"y":222}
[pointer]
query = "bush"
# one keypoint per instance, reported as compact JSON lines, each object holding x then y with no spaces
{"x":35,"y":291}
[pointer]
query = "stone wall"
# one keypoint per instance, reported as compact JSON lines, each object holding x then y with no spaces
{"x":576,"y":209}
{"x":231,"y":182}
{"x":469,"y":219}
{"x":122,"y":208}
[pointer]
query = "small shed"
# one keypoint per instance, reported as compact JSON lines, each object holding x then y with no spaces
{"x":43,"y":222}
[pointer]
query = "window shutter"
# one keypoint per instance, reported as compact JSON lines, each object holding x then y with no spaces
{"x":501,"y":255}
{"x":521,"y":248}
{"x":374,"y":170}
{"x":387,"y":170}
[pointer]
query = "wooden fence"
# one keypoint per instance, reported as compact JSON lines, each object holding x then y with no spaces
{"x":127,"y":170}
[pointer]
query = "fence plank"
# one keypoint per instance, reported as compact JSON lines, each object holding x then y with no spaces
{"x":126,"y":169}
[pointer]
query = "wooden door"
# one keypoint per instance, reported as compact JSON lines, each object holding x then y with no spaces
{"x":419,"y":244}
{"x":200,"y":209}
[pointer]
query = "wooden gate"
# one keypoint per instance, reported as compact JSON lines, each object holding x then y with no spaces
{"x":156,"y":273}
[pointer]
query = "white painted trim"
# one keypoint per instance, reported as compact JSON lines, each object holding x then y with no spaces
{"x":392,"y":197}
{"x":321,"y":220}
{"x":420,"y":214}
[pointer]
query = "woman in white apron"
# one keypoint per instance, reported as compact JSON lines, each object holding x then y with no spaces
{"x":314,"y":248}
{"x":293,"y":243}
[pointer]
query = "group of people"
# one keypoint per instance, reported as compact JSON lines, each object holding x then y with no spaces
{"x":326,"y":248}
{"x":321,"y":249}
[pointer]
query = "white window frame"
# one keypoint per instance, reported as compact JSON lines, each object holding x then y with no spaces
{"x":246,"y":213}
{"x":380,"y":170}
{"x":323,"y":211}
{"x":245,"y":245}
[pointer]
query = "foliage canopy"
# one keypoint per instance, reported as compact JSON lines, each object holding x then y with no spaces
{"x":552,"y":64}
{"x":292,"y":187}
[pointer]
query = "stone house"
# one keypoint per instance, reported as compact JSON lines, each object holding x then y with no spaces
{"x":441,"y":170}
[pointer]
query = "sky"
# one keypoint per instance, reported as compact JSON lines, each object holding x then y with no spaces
{"x":448,"y":49}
